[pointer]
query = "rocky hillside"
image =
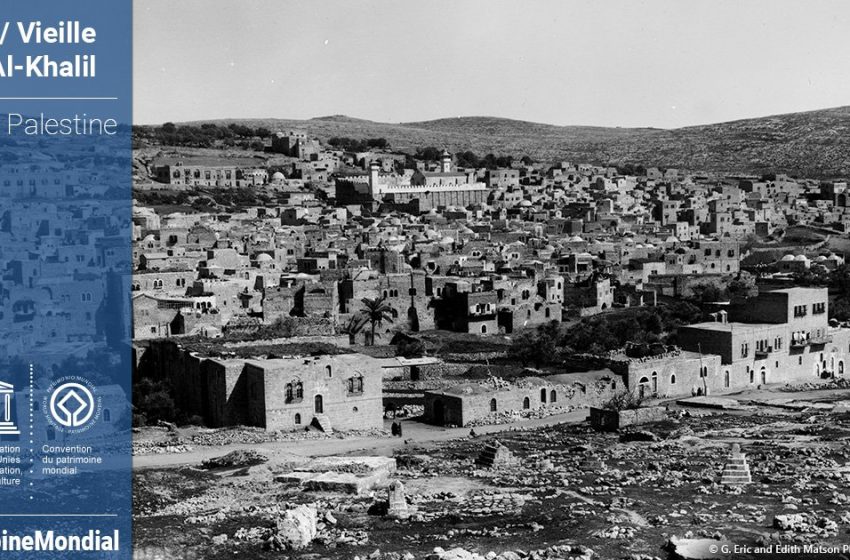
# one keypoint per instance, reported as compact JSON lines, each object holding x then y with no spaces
{"x":815,"y":143}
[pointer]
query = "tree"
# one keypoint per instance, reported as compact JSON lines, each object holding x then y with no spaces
{"x":743,"y":285}
{"x":376,"y":311}
{"x":353,"y":327}
{"x":429,"y":153}
{"x":538,"y":346}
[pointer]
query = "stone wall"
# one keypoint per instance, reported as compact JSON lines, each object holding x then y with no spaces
{"x":610,"y":420}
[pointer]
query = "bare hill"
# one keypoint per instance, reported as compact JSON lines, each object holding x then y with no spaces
{"x":814,"y":143}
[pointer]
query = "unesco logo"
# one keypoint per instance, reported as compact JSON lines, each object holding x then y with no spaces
{"x":72,"y":404}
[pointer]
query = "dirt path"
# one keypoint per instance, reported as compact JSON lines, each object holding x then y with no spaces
{"x":415,"y":433}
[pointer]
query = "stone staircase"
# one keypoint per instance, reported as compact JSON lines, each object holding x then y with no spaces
{"x":494,"y":456}
{"x":736,"y":470}
{"x":323,"y":423}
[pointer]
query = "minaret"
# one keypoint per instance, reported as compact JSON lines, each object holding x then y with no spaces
{"x":445,"y":162}
{"x":374,"y":169}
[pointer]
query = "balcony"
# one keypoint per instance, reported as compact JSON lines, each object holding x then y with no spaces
{"x":822,"y":339}
{"x":763,"y":353}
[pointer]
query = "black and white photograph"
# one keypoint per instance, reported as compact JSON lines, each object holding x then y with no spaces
{"x":490,"y":280}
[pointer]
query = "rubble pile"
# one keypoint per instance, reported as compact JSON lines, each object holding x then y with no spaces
{"x":807,"y":523}
{"x":236,"y":459}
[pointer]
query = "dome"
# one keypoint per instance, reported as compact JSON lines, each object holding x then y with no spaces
{"x":525,"y":203}
{"x":263,"y":257}
{"x":447,"y":240}
{"x":278,"y":176}
{"x":787,"y":258}
{"x":800,"y":258}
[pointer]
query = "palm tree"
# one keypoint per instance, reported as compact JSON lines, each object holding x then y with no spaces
{"x":376,"y":312}
{"x":354,"y":325}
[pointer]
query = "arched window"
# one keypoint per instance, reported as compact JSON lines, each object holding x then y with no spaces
{"x":355,"y":384}
{"x":752,"y":376}
{"x":297,"y":418}
{"x":726,"y":379}
{"x":553,"y":396}
{"x":543,"y":395}
{"x":299,"y":390}
{"x":840,"y":367}
{"x":493,"y":405}
{"x":329,"y":370}
{"x":288,"y":392}
{"x":672,"y":379}
{"x":483,"y":329}
{"x":526,"y":403}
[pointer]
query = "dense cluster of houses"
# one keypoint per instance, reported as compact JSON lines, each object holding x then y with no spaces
{"x":486,"y":251}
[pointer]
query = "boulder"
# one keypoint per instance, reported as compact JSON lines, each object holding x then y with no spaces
{"x":296,"y":529}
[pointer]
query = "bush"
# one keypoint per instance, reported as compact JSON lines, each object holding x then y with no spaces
{"x":624,"y":400}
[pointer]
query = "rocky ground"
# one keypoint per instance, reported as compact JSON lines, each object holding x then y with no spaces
{"x":575,"y":493}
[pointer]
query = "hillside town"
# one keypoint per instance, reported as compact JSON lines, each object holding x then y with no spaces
{"x":289,"y":291}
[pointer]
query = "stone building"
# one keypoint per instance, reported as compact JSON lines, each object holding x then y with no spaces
{"x":340,"y":392}
{"x":474,"y":402}
{"x":440,"y":188}
{"x":776,"y":337}
{"x":337,"y":391}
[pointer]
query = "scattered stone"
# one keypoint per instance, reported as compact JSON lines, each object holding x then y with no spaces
{"x":638,"y":435}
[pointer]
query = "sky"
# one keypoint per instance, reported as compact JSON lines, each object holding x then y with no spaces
{"x":626,"y":63}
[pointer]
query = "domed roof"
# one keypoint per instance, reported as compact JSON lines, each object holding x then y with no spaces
{"x":525,"y":203}
{"x":800,"y":258}
{"x":787,"y":258}
{"x":447,"y":240}
{"x":264,"y":257}
{"x":278,"y":176}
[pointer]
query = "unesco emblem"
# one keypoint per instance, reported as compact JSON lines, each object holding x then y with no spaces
{"x":72,"y":404}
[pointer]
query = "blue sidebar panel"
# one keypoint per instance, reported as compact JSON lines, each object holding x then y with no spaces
{"x":65,"y":260}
